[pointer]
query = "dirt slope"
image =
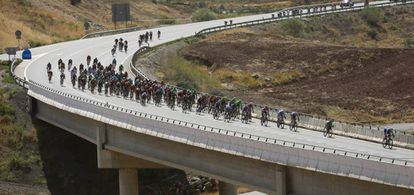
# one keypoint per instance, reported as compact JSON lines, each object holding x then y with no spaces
{"x":47,"y":21}
{"x":333,"y":67}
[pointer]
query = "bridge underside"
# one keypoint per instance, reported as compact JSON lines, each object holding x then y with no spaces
{"x":128,"y":151}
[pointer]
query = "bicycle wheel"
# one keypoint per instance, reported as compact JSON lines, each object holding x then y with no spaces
{"x":390,"y":143}
{"x":384,"y":142}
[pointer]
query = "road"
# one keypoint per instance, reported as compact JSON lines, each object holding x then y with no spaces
{"x":100,"y":48}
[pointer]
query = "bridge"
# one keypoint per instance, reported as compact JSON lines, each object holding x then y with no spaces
{"x":130,"y":137}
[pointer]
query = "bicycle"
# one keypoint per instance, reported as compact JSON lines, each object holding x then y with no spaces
{"x":387,"y":141}
{"x":280,"y":123}
{"x":245,"y":117}
{"x":62,"y":78}
{"x":227,"y":116}
{"x":327,"y":132}
{"x":264,"y":120}
{"x":293,"y":126}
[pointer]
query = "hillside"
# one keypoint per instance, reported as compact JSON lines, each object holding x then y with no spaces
{"x":49,"y":21}
{"x":354,"y":67}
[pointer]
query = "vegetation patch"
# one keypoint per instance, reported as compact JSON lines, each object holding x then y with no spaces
{"x":294,"y":27}
{"x":330,"y":66}
{"x":203,"y":14}
{"x":373,"y":16}
{"x":188,"y":74}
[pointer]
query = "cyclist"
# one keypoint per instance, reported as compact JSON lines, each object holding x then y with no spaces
{"x":49,"y":66}
{"x":388,"y":133}
{"x":121,"y":68}
{"x":49,"y":75}
{"x":294,"y":118}
{"x":246,"y":113}
{"x":328,"y":127}
{"x":73,"y":77}
{"x":62,"y":78}
{"x":251,"y":107}
{"x":265,"y":115}
{"x":70,"y":64}
{"x":81,"y":68}
{"x":125,"y":45}
{"x":216,"y":113}
{"x":88,"y":60}
{"x":227,"y":112}
{"x":280,"y":118}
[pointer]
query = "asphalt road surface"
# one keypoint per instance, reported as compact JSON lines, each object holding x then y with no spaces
{"x":100,"y":47}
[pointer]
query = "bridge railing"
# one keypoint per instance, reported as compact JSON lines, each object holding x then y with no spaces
{"x":111,"y":32}
{"x":311,"y":10}
{"x":126,"y":117}
{"x":21,"y":82}
{"x":134,"y":69}
{"x":361,"y":131}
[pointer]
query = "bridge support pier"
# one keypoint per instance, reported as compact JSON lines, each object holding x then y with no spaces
{"x":128,"y":182}
{"x":227,"y":189}
{"x":280,"y":181}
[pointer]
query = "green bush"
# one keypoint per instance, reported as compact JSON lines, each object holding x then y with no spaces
{"x":188,"y":74}
{"x":373,"y":34}
{"x":409,"y":43}
{"x":7,"y":78}
{"x":372,"y":16}
{"x":35,"y":43}
{"x":6,"y":108}
{"x":294,"y":27}
{"x":7,"y":119}
{"x":167,"y":21}
{"x":203,"y":15}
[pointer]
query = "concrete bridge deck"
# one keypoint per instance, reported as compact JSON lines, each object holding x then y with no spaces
{"x":242,"y":147}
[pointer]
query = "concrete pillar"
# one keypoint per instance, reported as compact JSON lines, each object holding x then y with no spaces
{"x":227,"y":189}
{"x":280,"y":181}
{"x":31,"y":106}
{"x":128,"y":182}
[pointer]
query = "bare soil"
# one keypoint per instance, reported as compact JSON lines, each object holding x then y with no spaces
{"x":7,"y":188}
{"x":340,"y":70}
{"x":377,"y":81}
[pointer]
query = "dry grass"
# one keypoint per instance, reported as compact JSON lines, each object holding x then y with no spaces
{"x":188,"y":74}
{"x":48,"y":21}
{"x":224,"y":34}
{"x":237,"y":79}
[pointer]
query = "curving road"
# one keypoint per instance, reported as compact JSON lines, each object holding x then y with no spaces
{"x":100,"y":47}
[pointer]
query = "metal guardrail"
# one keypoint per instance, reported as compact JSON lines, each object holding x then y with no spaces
{"x":111,"y":32}
{"x":268,"y":140}
{"x":281,"y":142}
{"x":312,"y":122}
{"x":135,"y":70}
{"x":310,"y":12}
{"x":21,"y":82}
